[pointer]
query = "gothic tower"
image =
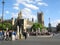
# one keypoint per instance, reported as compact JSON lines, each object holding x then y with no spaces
{"x":20,"y":15}
{"x":40,"y":18}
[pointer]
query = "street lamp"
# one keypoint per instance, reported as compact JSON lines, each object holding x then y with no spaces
{"x":2,"y":12}
{"x":49,"y":26}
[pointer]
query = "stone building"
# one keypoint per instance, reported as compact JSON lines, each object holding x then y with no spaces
{"x":19,"y":21}
{"x":40,"y":18}
{"x":22,"y":23}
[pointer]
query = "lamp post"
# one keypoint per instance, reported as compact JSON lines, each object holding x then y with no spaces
{"x":49,"y":26}
{"x":2,"y":12}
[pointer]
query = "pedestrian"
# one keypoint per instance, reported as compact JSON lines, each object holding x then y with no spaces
{"x":25,"y":34}
{"x":13,"y":35}
{"x":3,"y":35}
{"x":10,"y":35}
{"x":7,"y":35}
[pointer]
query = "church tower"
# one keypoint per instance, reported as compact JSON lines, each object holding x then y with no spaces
{"x":20,"y":15}
{"x":40,"y":18}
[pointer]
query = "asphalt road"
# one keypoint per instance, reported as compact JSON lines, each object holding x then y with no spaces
{"x":34,"y":41}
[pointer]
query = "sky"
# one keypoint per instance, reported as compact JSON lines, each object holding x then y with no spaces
{"x":29,"y":8}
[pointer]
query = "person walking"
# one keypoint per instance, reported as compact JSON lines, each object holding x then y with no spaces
{"x":13,"y":35}
{"x":10,"y":35}
{"x":7,"y":35}
{"x":25,"y":34}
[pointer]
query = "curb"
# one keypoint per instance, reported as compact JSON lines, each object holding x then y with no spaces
{"x":42,"y":36}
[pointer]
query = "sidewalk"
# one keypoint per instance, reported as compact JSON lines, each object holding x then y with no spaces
{"x":43,"y":36}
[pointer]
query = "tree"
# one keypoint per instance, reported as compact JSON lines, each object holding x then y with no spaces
{"x":5,"y":25}
{"x":0,"y":26}
{"x":36,"y":26}
{"x":8,"y":25}
{"x":58,"y":27}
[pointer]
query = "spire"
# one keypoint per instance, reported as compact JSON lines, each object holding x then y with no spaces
{"x":20,"y":15}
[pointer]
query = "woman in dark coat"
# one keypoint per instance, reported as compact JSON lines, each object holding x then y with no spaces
{"x":25,"y":34}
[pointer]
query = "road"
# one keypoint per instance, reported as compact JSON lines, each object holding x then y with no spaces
{"x":34,"y":41}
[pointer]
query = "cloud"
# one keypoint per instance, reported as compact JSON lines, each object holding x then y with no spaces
{"x":31,"y":6}
{"x":20,"y":1}
{"x":38,"y":0}
{"x":14,"y":15}
{"x":55,"y":22}
{"x":42,"y":4}
{"x":30,"y":3}
{"x":16,"y":6}
{"x":7,"y":12}
{"x":27,"y":13}
{"x":26,"y":10}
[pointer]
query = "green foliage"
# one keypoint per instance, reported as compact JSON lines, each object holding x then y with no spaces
{"x":46,"y":28}
{"x":0,"y":25}
{"x":36,"y":26}
{"x":5,"y":25}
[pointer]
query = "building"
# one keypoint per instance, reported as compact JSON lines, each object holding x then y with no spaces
{"x":23,"y":23}
{"x":19,"y":21}
{"x":20,"y":15}
{"x":40,"y":18}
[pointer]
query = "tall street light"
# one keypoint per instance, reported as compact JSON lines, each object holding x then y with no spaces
{"x":49,"y":26}
{"x":2,"y":11}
